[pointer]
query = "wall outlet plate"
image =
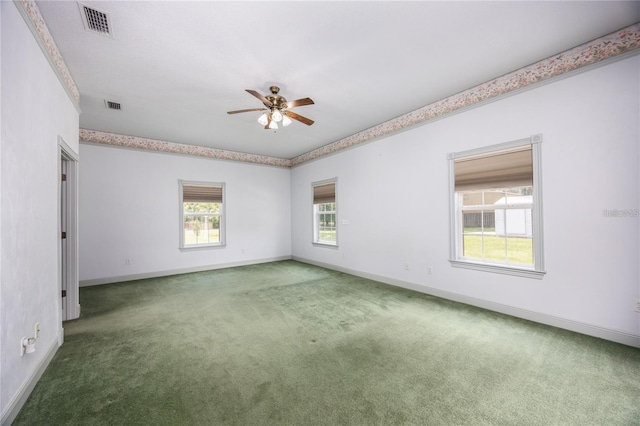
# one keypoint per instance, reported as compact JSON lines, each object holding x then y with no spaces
{"x":638,"y":305}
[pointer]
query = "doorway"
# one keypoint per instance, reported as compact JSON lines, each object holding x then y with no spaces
{"x":68,"y":232}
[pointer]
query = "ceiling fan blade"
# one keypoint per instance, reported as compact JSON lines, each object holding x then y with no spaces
{"x":298,"y":117}
{"x":246,"y":110}
{"x":300,"y":102}
{"x":262,"y":98}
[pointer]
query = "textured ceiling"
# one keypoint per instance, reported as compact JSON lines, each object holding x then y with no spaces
{"x":177,"y":67}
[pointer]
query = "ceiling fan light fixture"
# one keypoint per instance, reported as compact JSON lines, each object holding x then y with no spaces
{"x":263,"y":119}
{"x":276,"y":115}
{"x":276,"y":109}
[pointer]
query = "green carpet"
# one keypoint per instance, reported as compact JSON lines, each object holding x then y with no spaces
{"x":293,"y":344}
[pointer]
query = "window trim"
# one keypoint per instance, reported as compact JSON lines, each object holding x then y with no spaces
{"x":314,"y":227}
{"x":537,"y":271}
{"x":221,"y":214}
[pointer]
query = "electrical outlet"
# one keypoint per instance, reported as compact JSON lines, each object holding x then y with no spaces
{"x":127,"y":261}
{"x":27,"y":345}
{"x":406,"y":266}
{"x":638,"y":305}
{"x":430,"y":270}
{"x":36,"y":330}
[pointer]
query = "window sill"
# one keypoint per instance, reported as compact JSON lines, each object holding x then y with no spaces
{"x":202,"y":247}
{"x":328,"y":245}
{"x":498,"y":269}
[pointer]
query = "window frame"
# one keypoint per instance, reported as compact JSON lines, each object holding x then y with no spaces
{"x":315,"y":238}
{"x":537,"y":270}
{"x":221,"y":215}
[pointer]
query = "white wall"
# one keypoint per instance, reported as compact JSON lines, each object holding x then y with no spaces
{"x":394,"y":193}
{"x":129,"y":210}
{"x":35,"y":111}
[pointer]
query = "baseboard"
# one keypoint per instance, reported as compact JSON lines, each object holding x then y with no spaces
{"x":18,"y":400}
{"x":165,"y":273}
{"x":578,"y":327}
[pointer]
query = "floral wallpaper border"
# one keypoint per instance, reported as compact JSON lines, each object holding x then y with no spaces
{"x":135,"y":142}
{"x":609,"y":46}
{"x":33,"y":13}
{"x":606,"y":47}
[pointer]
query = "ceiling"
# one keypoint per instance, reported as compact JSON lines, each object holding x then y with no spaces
{"x":176,"y":67}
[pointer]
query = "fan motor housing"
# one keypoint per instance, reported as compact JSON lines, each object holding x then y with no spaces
{"x":276,"y":100}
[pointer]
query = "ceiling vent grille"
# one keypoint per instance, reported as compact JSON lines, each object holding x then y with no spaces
{"x":112,"y":105}
{"x":95,"y":20}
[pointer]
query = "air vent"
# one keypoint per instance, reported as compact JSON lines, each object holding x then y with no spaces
{"x":95,"y":20}
{"x":112,"y":105}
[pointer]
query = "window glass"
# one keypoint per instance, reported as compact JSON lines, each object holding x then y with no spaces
{"x":201,"y":223}
{"x":326,"y":222}
{"x":497,"y":225}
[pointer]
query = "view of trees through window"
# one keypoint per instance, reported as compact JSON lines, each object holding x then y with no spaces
{"x":326,"y":214}
{"x":201,"y":223}
{"x":497,"y":224}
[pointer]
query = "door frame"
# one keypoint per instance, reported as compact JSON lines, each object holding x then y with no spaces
{"x":68,"y":265}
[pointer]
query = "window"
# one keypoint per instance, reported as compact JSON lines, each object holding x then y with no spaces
{"x":325,"y":229}
{"x":201,"y":214}
{"x":496,"y":208}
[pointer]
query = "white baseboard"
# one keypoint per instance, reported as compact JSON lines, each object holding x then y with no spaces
{"x":578,"y":327}
{"x":156,"y":274}
{"x":18,"y":400}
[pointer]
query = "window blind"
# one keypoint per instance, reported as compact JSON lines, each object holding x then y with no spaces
{"x":325,"y":193}
{"x":201,"y":193}
{"x":499,"y":169}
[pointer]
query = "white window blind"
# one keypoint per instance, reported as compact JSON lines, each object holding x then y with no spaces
{"x":193,"y":193}
{"x":325,"y":193}
{"x":500,"y":169}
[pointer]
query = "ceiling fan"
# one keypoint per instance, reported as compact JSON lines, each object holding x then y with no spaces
{"x":277,"y":109}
